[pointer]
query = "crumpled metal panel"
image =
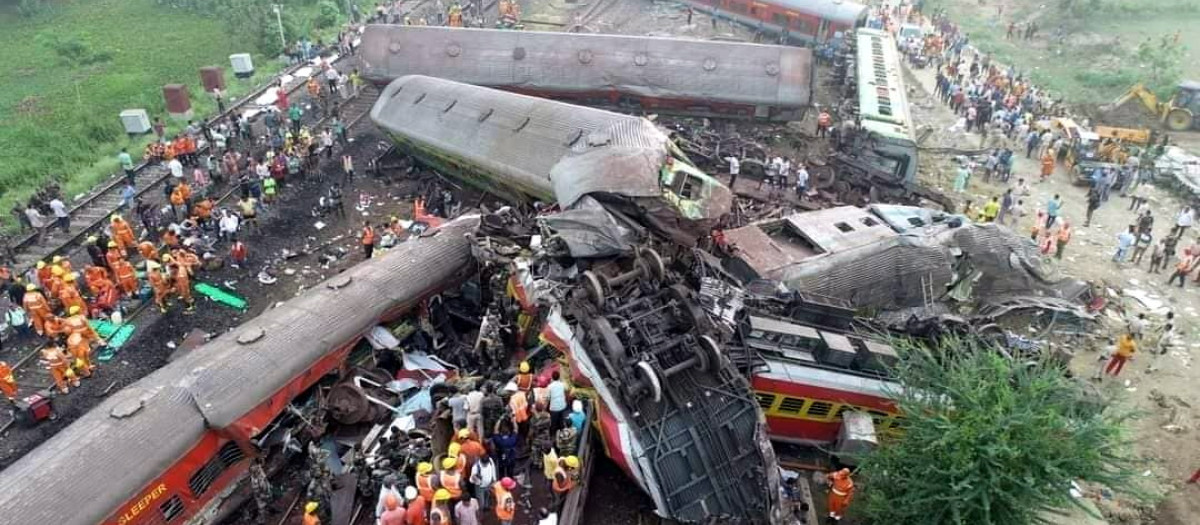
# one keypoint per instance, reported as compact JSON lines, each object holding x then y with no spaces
{"x":729,"y":72}
{"x":893,"y":272}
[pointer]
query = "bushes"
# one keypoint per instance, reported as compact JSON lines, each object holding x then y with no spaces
{"x":329,"y":14}
{"x":1121,"y":78}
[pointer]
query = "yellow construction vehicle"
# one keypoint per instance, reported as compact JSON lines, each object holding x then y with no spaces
{"x":1177,"y":114}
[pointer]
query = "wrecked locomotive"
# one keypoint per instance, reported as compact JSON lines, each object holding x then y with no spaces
{"x":803,"y":21}
{"x":620,"y":72}
{"x":172,"y":446}
{"x":522,"y":147}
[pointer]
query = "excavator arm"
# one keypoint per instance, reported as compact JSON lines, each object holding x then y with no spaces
{"x":1138,"y":91}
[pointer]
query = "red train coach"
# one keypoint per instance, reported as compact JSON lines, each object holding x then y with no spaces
{"x":659,"y":75}
{"x":169,"y":448}
{"x":804,"y":21}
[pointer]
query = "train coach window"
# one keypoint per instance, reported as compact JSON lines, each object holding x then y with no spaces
{"x":172,"y":508}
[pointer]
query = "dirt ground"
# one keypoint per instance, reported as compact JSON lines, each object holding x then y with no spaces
{"x":1165,"y":432}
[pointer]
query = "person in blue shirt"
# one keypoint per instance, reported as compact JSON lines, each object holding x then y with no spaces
{"x":1052,"y":209}
{"x":558,"y":402}
{"x":577,"y":418}
{"x":1124,"y":241}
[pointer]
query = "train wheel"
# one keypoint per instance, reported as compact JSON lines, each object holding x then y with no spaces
{"x":613,"y":347}
{"x":822,"y":176}
{"x":654,"y":263}
{"x":709,"y":353}
{"x":595,"y":289}
{"x":650,"y":379}
{"x":1179,"y":119}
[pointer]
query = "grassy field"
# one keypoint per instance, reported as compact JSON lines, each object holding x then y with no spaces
{"x":71,"y":70}
{"x":1097,"y":62}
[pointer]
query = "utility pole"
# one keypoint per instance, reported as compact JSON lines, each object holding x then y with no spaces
{"x":279,"y":21}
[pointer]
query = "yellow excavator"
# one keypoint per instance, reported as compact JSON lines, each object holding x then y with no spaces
{"x":1179,"y":113}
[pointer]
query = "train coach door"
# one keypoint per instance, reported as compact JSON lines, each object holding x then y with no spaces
{"x":823,"y":30}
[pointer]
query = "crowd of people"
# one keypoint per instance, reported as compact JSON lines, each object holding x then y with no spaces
{"x":528,"y":429}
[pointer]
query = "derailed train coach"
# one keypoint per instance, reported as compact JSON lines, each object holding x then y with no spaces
{"x":171,"y":447}
{"x":523,"y":148}
{"x":652,"y":74}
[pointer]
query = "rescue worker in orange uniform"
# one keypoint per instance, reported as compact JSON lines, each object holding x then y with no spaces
{"x":38,"y":308}
{"x":506,"y":505}
{"x":81,"y":350}
{"x":107,"y":297}
{"x":77,"y":323}
{"x":310,"y":514}
{"x":524,"y":378}
{"x":416,"y":506}
{"x":43,"y":272}
{"x":8,"y":383}
{"x":440,"y":513}
{"x":123,"y":233}
{"x":68,"y":294}
{"x":59,"y":364}
{"x":114,"y":254}
{"x":181,"y":278}
{"x":426,"y":481}
{"x":126,"y":277}
{"x":393,"y":513}
{"x":187,"y":258}
{"x":162,"y":288}
{"x":62,"y":262}
{"x":148,"y":251}
{"x":54,"y":282}
{"x":95,"y":275}
{"x":564,"y":478}
{"x":450,"y":478}
{"x":841,"y":491}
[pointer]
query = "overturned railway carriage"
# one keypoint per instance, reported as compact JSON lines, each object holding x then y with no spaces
{"x":524,"y":147}
{"x":661,"y":75}
{"x":804,"y":21}
{"x":167,"y":449}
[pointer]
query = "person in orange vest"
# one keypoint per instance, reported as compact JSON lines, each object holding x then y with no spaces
{"x":1047,"y":166}
{"x":415,"y":515}
{"x":393,"y":513}
{"x":77,"y":323}
{"x":1064,"y":237}
{"x":310,"y":514}
{"x":450,"y":478}
{"x":426,"y":482}
{"x":368,"y":239}
{"x":188,"y":259}
{"x":114,"y":254}
{"x":824,"y":123}
{"x":506,"y":505}
{"x":123,"y":233}
{"x":564,"y":478}
{"x":148,"y":251}
{"x":440,"y":513}
{"x":55,"y":327}
{"x":94,"y":275}
{"x":59,"y":364}
{"x":471,"y":448}
{"x":62,"y":262}
{"x":183,"y":284}
{"x":54,"y":282}
{"x":841,"y":491}
{"x":38,"y":308}
{"x":524,"y":378}
{"x":461,"y":463}
{"x":68,"y":294}
{"x":107,"y":298}
{"x":8,"y":383}
{"x":43,"y":272}
{"x":126,"y":277}
{"x":518,"y":404}
{"x":81,"y":350}
{"x":162,"y":289}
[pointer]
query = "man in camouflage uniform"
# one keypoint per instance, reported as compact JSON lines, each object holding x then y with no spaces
{"x":261,"y":487}
{"x":566,"y":440}
{"x":539,"y":434}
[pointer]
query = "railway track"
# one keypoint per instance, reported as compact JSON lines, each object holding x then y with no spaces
{"x":90,"y":214}
{"x":32,"y":377}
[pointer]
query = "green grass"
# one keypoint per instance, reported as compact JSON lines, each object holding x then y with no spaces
{"x":1090,"y":69}
{"x":60,"y":121}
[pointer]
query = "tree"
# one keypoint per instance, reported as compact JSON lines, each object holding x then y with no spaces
{"x":1163,"y":60}
{"x":988,"y":441}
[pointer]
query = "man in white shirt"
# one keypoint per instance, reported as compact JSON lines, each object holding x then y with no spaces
{"x":228,"y":224}
{"x":475,"y":415}
{"x":62,"y":218}
{"x":1183,"y":221}
{"x":176,"y":168}
{"x":735,"y":167}
{"x":801,"y":182}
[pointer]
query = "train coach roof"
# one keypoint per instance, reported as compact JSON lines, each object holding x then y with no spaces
{"x":573,"y":62}
{"x":85,"y":472}
{"x":571,"y":150}
{"x":834,"y":10}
